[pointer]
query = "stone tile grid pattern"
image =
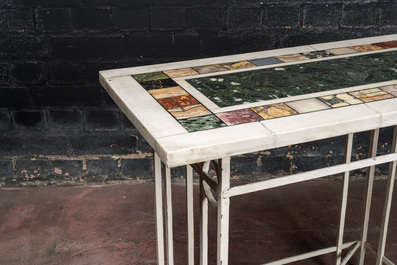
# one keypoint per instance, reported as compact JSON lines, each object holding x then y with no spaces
{"x":193,"y":116}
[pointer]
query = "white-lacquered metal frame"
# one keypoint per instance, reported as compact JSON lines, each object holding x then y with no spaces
{"x":221,"y":187}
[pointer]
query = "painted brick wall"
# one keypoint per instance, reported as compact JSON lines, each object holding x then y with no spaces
{"x":58,"y":126}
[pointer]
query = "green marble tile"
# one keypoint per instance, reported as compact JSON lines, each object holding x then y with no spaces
{"x":284,"y":81}
{"x":202,"y":123}
{"x":150,"y":76}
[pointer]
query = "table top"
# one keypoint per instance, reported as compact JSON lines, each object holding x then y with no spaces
{"x":198,"y":110}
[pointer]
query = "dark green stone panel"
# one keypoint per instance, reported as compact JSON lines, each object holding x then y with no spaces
{"x":305,"y":78}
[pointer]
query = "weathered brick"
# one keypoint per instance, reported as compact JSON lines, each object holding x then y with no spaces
{"x":66,"y":168}
{"x":359,"y":15}
{"x":88,"y":47}
{"x":388,"y":15}
{"x":103,"y":144}
{"x":166,"y":18}
{"x":54,"y":19}
{"x":14,"y":97}
{"x":66,"y":95}
{"x":31,"y":120}
{"x":6,"y":167}
{"x":102,"y":167}
{"x":131,"y":18}
{"x":16,"y":20}
{"x":67,"y":72}
{"x":137,"y":168}
{"x":91,"y":18}
{"x":23,"y":47}
{"x":65,"y":119}
{"x":29,"y":73}
{"x":102,"y":120}
{"x":171,"y":45}
{"x":33,"y":145}
{"x":32,"y":169}
{"x":206,"y":18}
{"x":282,"y":16}
{"x":5,"y":121}
{"x":322,"y":15}
{"x":242,"y":17}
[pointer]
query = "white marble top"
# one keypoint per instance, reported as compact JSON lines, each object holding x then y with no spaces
{"x":313,"y":119}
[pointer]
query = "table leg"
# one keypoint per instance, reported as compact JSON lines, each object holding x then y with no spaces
{"x":159,"y":209}
{"x":345,"y":180}
{"x":387,"y":206}
{"x":223,"y":211}
{"x":368,"y":195}
{"x":190,"y":214}
{"x":203,"y":225}
{"x":168,"y":214}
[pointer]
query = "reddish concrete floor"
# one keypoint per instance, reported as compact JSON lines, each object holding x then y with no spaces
{"x":115,"y":224}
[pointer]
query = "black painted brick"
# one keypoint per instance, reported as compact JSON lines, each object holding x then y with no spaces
{"x":54,"y":19}
{"x":206,"y":18}
{"x":102,"y":167}
{"x":102,"y":119}
{"x":33,"y":145}
{"x":239,"y":17}
{"x":6,"y":167}
{"x":92,"y":68}
{"x":171,"y":46}
{"x":125,"y":122}
{"x":16,"y":20}
{"x":88,"y":47}
{"x":32,"y":169}
{"x":103,"y":144}
{"x":389,"y":14}
{"x":29,"y":73}
{"x":211,"y":2}
{"x":95,"y":3}
{"x":66,"y":96}
{"x":31,"y":120}
{"x":5,"y":121}
{"x":131,"y":18}
{"x":4,"y":73}
{"x":67,"y":72}
{"x":142,"y":168}
{"x":48,"y":3}
{"x":318,"y":15}
{"x":92,"y":18}
{"x":14,"y":97}
{"x":166,"y":18}
{"x":65,"y":119}
{"x":23,"y":47}
{"x":66,"y":168}
{"x":280,"y":16}
{"x":215,"y":44}
{"x":356,"y":15}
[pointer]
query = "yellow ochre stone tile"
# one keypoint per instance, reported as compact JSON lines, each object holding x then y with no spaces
{"x":168,"y":92}
{"x":340,"y":100}
{"x":180,"y":72}
{"x":238,"y":65}
{"x":274,"y":111}
{"x":366,"y":48}
{"x":292,"y":57}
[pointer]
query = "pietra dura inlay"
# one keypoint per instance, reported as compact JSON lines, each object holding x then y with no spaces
{"x":228,"y":86}
{"x":284,"y":81}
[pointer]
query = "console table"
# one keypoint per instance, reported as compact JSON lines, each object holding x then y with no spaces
{"x":200,"y":113}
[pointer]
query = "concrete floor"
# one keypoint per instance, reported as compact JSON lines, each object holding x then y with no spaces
{"x":115,"y":224}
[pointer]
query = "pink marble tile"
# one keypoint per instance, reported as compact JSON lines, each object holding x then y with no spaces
{"x":390,"y":89}
{"x":239,"y":116}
